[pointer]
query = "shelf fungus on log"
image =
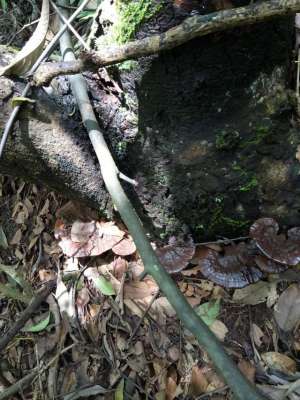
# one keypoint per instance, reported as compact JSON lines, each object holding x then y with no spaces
{"x":235,"y":268}
{"x":284,"y":249}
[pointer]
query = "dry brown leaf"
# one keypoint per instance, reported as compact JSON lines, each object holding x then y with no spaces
{"x":253,"y":294}
{"x":140,"y":290}
{"x":247,"y":369}
{"x":81,"y":232}
{"x":199,"y":382}
{"x":46,"y":275}
{"x":171,"y":383}
{"x":16,"y":238}
{"x":32,"y":49}
{"x":173,"y":353}
{"x":257,"y":334}
{"x":119,"y":267}
{"x":93,"y":238}
{"x":162,"y":306}
{"x":125,"y":247}
{"x":287,"y":309}
{"x":219,"y":329}
{"x":74,"y":210}
{"x":280,"y":362}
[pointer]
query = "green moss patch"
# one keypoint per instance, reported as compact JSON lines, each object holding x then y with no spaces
{"x":132,"y":14}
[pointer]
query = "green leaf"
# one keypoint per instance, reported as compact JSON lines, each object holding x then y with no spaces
{"x":209,"y":311}
{"x":3,"y":5}
{"x":104,"y":286}
{"x":11,"y":271}
{"x":40,"y":326}
{"x":84,"y":15}
{"x":119,"y":393}
{"x":19,"y":100}
{"x":3,"y":240}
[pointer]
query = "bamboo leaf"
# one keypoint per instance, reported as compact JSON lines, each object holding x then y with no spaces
{"x":104,"y":286}
{"x":209,"y":311}
{"x":16,"y":101}
{"x":40,"y":326}
{"x":11,"y":271}
{"x":32,"y":49}
{"x":3,"y":240}
{"x":119,"y":393}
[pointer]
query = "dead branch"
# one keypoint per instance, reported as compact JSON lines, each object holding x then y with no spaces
{"x":192,"y":27}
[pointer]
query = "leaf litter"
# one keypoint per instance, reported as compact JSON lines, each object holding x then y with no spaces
{"x":124,"y":331}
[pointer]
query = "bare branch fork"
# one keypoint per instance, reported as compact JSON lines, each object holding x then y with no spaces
{"x":196,"y":26}
{"x":242,"y":388}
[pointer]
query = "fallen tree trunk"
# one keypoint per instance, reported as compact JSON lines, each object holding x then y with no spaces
{"x":48,"y":144}
{"x":205,"y":129}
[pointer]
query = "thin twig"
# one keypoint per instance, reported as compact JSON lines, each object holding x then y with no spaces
{"x":48,"y":50}
{"x":39,"y":258}
{"x":127,"y":179}
{"x":143,"y":317}
{"x":27,"y":313}
{"x":73,"y":30}
{"x":221,"y":241}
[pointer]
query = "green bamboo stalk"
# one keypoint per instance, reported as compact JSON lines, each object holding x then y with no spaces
{"x":241,"y":387}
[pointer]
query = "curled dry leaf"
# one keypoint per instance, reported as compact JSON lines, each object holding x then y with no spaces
{"x":219,"y":329}
{"x":199,"y":382}
{"x":140,"y":290}
{"x":287,"y":309}
{"x":175,"y":257}
{"x":279,"y":361}
{"x":88,"y":238}
{"x":234,"y":269}
{"x":282,"y":249}
{"x":254,"y":294}
{"x":247,"y":369}
{"x":257,"y":335}
{"x":81,"y":232}
{"x":119,"y":266}
{"x":32,"y":49}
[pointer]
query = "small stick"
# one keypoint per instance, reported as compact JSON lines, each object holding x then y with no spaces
{"x":220,"y":241}
{"x":143,"y":317}
{"x":27,"y":313}
{"x":127,"y":179}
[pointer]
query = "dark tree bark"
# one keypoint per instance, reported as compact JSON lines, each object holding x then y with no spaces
{"x":205,"y":129}
{"x":49,"y":145}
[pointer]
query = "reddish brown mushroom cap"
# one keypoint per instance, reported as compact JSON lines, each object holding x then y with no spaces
{"x":235,"y":269}
{"x":277,"y":247}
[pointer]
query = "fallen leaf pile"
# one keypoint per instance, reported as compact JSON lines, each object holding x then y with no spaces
{"x":121,"y":329}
